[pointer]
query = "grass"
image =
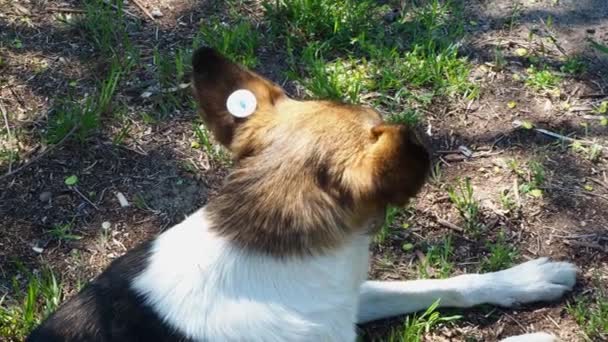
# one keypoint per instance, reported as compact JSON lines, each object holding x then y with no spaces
{"x":390,"y":217}
{"x":438,"y":260}
{"x":542,"y":80}
{"x":591,"y":315}
{"x":468,"y":207}
{"x":533,"y":177}
{"x":337,"y":51}
{"x":238,"y":41}
{"x":501,"y":255}
{"x":23,"y":311}
{"x":415,"y":326}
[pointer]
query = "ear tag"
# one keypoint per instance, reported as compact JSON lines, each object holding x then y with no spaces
{"x":241,"y":103}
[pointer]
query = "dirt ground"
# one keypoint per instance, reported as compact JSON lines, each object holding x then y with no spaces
{"x":163,"y":178}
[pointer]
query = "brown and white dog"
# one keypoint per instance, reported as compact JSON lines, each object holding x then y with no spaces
{"x":281,"y":253}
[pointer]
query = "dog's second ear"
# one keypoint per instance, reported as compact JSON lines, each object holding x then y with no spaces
{"x":394,"y":167}
{"x":214,"y":78}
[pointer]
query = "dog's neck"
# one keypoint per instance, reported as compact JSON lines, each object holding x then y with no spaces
{"x":284,"y":216}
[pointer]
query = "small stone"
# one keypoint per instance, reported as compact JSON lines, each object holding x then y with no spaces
{"x":45,"y":196}
{"x":156,"y":13}
{"x":22,"y":116}
{"x":38,"y":250}
{"x":106,"y":225}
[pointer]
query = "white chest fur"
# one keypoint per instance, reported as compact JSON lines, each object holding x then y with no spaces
{"x":211,"y":291}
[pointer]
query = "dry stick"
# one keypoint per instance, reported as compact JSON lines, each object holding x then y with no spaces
{"x":10,"y":137}
{"x":41,"y":154}
{"x":518,"y":124}
{"x":449,"y":224}
{"x":143,"y":9}
{"x":84,"y":197}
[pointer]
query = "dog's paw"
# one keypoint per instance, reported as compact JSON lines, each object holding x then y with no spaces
{"x":534,"y":337}
{"x":533,"y":281}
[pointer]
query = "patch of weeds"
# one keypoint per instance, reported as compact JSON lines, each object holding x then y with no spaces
{"x":542,"y":80}
{"x":215,"y":152}
{"x":336,"y":22}
{"x":389,"y":219}
{"x":22,"y":312}
{"x":468,"y":207}
{"x":63,"y":232}
{"x":436,"y":174}
{"x":408,"y":117}
{"x":574,"y":66}
{"x":592,"y":153}
{"x":170,"y":69}
{"x":342,"y":79}
{"x":533,"y":178}
{"x":83,"y":117}
{"x":507,"y":201}
{"x":237,"y":41}
{"x":439,"y":258}
{"x":107,"y":29}
{"x":591,"y":315}
{"x":415,"y":326}
{"x":501,"y":255}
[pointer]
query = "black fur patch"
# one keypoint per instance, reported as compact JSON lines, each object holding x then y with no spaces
{"x":108,"y":309}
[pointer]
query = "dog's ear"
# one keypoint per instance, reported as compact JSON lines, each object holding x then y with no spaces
{"x":215,"y":77}
{"x":395,"y":165}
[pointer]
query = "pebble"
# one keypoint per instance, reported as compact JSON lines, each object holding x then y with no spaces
{"x":45,"y":196}
{"x":106,"y":225}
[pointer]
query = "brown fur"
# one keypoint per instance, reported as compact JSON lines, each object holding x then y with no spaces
{"x":308,"y":175}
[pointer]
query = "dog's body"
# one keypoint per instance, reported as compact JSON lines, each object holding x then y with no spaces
{"x":281,"y":254}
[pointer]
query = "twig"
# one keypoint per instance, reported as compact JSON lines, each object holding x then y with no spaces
{"x":84,"y":197}
{"x":518,"y":124}
{"x":143,"y":9}
{"x":41,"y":154}
{"x":10,"y":137}
{"x":449,"y":224}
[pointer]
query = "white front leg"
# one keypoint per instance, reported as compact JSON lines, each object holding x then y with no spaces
{"x":536,"y":280}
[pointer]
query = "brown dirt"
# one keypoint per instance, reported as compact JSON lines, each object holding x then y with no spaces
{"x":149,"y":168}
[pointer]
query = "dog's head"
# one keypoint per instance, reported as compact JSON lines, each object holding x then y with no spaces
{"x":302,"y":166}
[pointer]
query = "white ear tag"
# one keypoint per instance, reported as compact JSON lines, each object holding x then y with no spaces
{"x":241,"y":103}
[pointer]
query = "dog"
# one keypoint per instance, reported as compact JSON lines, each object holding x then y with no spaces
{"x":281,"y":253}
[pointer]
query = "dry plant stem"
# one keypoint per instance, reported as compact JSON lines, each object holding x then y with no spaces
{"x":41,"y":154}
{"x":8,"y":132}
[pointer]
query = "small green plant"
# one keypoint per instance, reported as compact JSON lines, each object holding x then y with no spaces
{"x":21,"y":313}
{"x":574,"y":66}
{"x":591,"y":316}
{"x":303,"y":22}
{"x":501,"y":255}
{"x":592,"y":153}
{"x":467,"y":205}
{"x":507,"y":201}
{"x":215,"y":152}
{"x":389,"y":219}
{"x":415,"y":326}
{"x":436,"y":174}
{"x":542,"y":80}
{"x":439,"y":258}
{"x":83,"y":118}
{"x":407,"y":117}
{"x":533,"y":179}
{"x":107,"y":29}
{"x":63,"y":232}
{"x":237,"y":41}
